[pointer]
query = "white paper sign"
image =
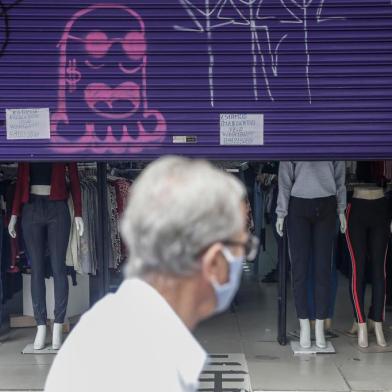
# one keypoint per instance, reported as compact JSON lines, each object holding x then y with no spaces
{"x":241,"y":129}
{"x":28,"y":124}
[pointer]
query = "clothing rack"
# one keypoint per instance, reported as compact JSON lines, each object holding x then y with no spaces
{"x":87,"y":170}
{"x":8,"y":172}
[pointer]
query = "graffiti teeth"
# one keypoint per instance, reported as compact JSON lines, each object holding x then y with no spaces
{"x":101,"y":131}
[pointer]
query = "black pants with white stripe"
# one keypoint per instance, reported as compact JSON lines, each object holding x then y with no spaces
{"x":312,"y":232}
{"x":367,"y":238}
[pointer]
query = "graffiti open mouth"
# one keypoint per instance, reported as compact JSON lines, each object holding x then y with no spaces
{"x":115,"y":103}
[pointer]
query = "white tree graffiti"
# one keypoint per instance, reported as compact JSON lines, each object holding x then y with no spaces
{"x":202,"y":17}
{"x":251,"y":20}
{"x":292,"y":6}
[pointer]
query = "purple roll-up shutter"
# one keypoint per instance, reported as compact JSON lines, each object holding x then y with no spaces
{"x":138,"y":79}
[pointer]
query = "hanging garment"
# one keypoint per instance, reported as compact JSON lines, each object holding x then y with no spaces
{"x":72,"y":259}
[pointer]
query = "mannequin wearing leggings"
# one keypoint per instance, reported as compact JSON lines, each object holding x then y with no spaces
{"x":368,"y":235}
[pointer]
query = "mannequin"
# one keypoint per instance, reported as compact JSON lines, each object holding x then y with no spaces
{"x":41,"y":200}
{"x":311,"y":196}
{"x":369,"y":227}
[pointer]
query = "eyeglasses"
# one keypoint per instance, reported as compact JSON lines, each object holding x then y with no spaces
{"x":251,"y":246}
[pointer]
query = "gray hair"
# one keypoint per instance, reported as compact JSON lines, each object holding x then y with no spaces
{"x":176,"y":208}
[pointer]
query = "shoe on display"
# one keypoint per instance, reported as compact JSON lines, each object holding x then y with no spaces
{"x":40,"y":337}
{"x":57,"y":336}
{"x":320,"y":334}
{"x":378,"y":329}
{"x":304,"y":338}
{"x":363,"y":335}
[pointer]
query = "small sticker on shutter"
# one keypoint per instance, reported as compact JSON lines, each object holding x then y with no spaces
{"x":184,"y":139}
{"x":241,"y":129}
{"x":26,"y":124}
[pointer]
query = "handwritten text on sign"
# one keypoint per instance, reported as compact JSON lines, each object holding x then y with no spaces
{"x":242,"y":129}
{"x":28,"y":124}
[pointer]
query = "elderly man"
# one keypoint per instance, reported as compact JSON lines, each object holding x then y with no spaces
{"x":185,"y":227}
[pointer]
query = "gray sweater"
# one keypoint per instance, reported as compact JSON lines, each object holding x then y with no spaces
{"x":311,"y":180}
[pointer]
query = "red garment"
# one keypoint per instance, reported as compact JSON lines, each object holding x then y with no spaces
{"x":58,"y":189}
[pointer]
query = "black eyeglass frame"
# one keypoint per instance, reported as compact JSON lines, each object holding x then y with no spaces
{"x":251,"y":246}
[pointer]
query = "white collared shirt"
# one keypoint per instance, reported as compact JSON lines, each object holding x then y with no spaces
{"x":129,"y":341}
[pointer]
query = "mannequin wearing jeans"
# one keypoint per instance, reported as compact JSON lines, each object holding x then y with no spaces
{"x":46,"y":224}
{"x":369,"y":227}
{"x":311,"y":195}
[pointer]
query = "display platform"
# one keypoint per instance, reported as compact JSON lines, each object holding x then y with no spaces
{"x":29,"y":349}
{"x":298,"y":350}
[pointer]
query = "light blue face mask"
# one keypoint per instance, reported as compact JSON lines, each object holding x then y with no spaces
{"x":225,"y":292}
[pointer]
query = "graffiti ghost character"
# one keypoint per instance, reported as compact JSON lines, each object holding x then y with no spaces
{"x":102,"y":96}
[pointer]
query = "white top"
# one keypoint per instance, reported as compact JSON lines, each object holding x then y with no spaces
{"x":129,"y":341}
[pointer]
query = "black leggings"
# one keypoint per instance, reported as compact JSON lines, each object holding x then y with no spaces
{"x":367,"y":235}
{"x":312,"y":231}
{"x":46,"y":224}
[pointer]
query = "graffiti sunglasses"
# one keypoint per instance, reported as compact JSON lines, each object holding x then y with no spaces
{"x":98,"y":44}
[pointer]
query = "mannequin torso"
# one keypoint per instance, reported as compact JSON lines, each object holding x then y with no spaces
{"x":368,"y":192}
{"x":40,"y":178}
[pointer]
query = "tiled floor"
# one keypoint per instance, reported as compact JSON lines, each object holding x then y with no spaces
{"x":18,"y":371}
{"x":250,"y":330}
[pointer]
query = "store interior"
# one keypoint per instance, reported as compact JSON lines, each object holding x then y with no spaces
{"x":251,"y":326}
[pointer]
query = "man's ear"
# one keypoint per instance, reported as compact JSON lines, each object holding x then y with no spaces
{"x":210,"y":261}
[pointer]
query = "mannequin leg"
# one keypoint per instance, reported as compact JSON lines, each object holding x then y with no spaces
{"x":59,"y":223}
{"x":379,"y":331}
{"x":370,"y":325}
{"x":320,"y":334}
{"x":34,"y":235}
{"x":362,"y":335}
{"x":323,"y":245}
{"x":324,"y":230}
{"x":305,"y":339}
{"x":356,"y":237}
{"x":354,"y":329}
{"x":334,"y":282}
{"x":379,"y":249}
{"x":299,"y":238}
{"x":40,"y":337}
{"x":57,"y":336}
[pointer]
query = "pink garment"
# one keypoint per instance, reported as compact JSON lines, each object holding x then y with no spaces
{"x":122,"y":187}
